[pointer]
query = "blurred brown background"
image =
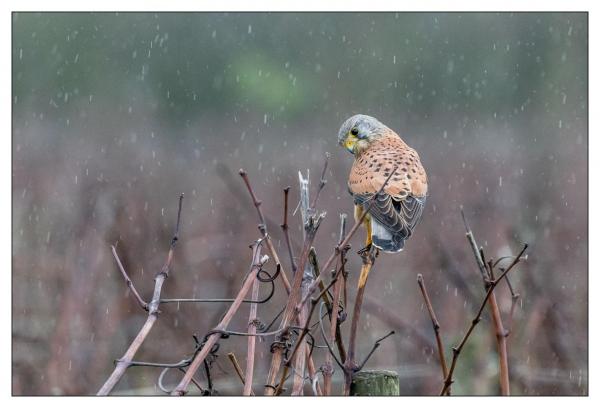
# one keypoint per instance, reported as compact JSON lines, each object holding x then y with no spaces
{"x":115,"y":114}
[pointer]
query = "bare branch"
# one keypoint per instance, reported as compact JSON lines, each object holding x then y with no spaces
{"x":125,"y":361}
{"x":436,"y":326}
{"x":130,"y":285}
{"x":252,"y":326}
{"x":456,"y":350}
{"x":285,"y":228}
{"x":213,"y":338}
{"x":238,"y":369}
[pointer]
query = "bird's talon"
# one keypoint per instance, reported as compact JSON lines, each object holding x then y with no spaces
{"x":365,"y":250}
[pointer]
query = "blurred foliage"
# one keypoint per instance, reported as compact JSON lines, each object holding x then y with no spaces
{"x":293,"y":65}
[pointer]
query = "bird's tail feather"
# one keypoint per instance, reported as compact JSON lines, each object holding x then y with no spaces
{"x":385,"y":240}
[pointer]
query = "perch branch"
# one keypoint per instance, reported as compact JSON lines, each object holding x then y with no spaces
{"x":350,"y":365}
{"x":294,"y":294}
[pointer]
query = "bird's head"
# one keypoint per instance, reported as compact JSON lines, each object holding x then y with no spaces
{"x":359,"y":131}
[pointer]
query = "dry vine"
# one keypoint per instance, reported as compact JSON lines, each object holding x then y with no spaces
{"x":314,"y":289}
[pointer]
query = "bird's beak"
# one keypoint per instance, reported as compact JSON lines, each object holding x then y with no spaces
{"x":349,"y":142}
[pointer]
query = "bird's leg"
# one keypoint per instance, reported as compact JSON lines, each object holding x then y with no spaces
{"x":368,"y":255}
{"x":367,"y":223}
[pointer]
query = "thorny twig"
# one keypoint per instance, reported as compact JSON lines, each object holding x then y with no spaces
{"x":125,"y":361}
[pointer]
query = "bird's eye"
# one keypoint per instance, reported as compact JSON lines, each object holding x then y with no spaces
{"x":354,"y":131}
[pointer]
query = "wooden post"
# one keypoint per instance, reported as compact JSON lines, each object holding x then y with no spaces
{"x":375,"y":383}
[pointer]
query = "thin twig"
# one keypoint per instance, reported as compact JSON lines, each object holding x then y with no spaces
{"x":271,"y":248}
{"x":238,"y":369}
{"x":375,"y":347}
{"x":514,"y":297}
{"x":436,"y":326}
{"x":252,"y":326}
{"x":322,"y":181}
{"x":456,"y":350}
{"x":293,"y":298}
{"x":285,"y":228}
{"x":486,"y":270}
{"x":263,"y":229}
{"x":289,"y":315}
{"x":305,"y":329}
{"x":130,"y":285}
{"x":213,"y":338}
{"x":125,"y":361}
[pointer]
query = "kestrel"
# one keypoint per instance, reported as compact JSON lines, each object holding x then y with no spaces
{"x":395,"y":211}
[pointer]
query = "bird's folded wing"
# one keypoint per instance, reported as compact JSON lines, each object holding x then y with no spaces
{"x":397,"y":214}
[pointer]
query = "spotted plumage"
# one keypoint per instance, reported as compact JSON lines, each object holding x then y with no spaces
{"x":377,"y":150}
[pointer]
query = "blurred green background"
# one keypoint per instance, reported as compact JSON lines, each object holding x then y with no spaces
{"x":115,"y":114}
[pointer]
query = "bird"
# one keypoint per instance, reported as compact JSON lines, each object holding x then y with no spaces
{"x":395,"y":211}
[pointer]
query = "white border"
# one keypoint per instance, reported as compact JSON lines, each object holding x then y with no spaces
{"x":308,"y":5}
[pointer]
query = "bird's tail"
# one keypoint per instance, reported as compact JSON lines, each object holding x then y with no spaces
{"x":384,"y":239}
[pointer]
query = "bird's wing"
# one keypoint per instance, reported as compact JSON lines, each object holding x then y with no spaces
{"x":398,"y":216}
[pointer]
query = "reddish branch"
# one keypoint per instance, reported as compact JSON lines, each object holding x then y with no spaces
{"x":350,"y":365}
{"x":263,"y":229}
{"x":290,"y":312}
{"x":125,"y":362}
{"x":501,"y":334}
{"x":436,"y":327}
{"x":334,"y":333}
{"x":130,"y":285}
{"x":236,"y":367}
{"x":456,"y":350}
{"x":272,"y":251}
{"x":312,"y":258}
{"x":276,"y":360}
{"x":305,"y":329}
{"x":222,"y":326}
{"x":252,"y":326}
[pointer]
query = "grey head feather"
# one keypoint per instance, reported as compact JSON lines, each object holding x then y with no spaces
{"x":367,"y":126}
